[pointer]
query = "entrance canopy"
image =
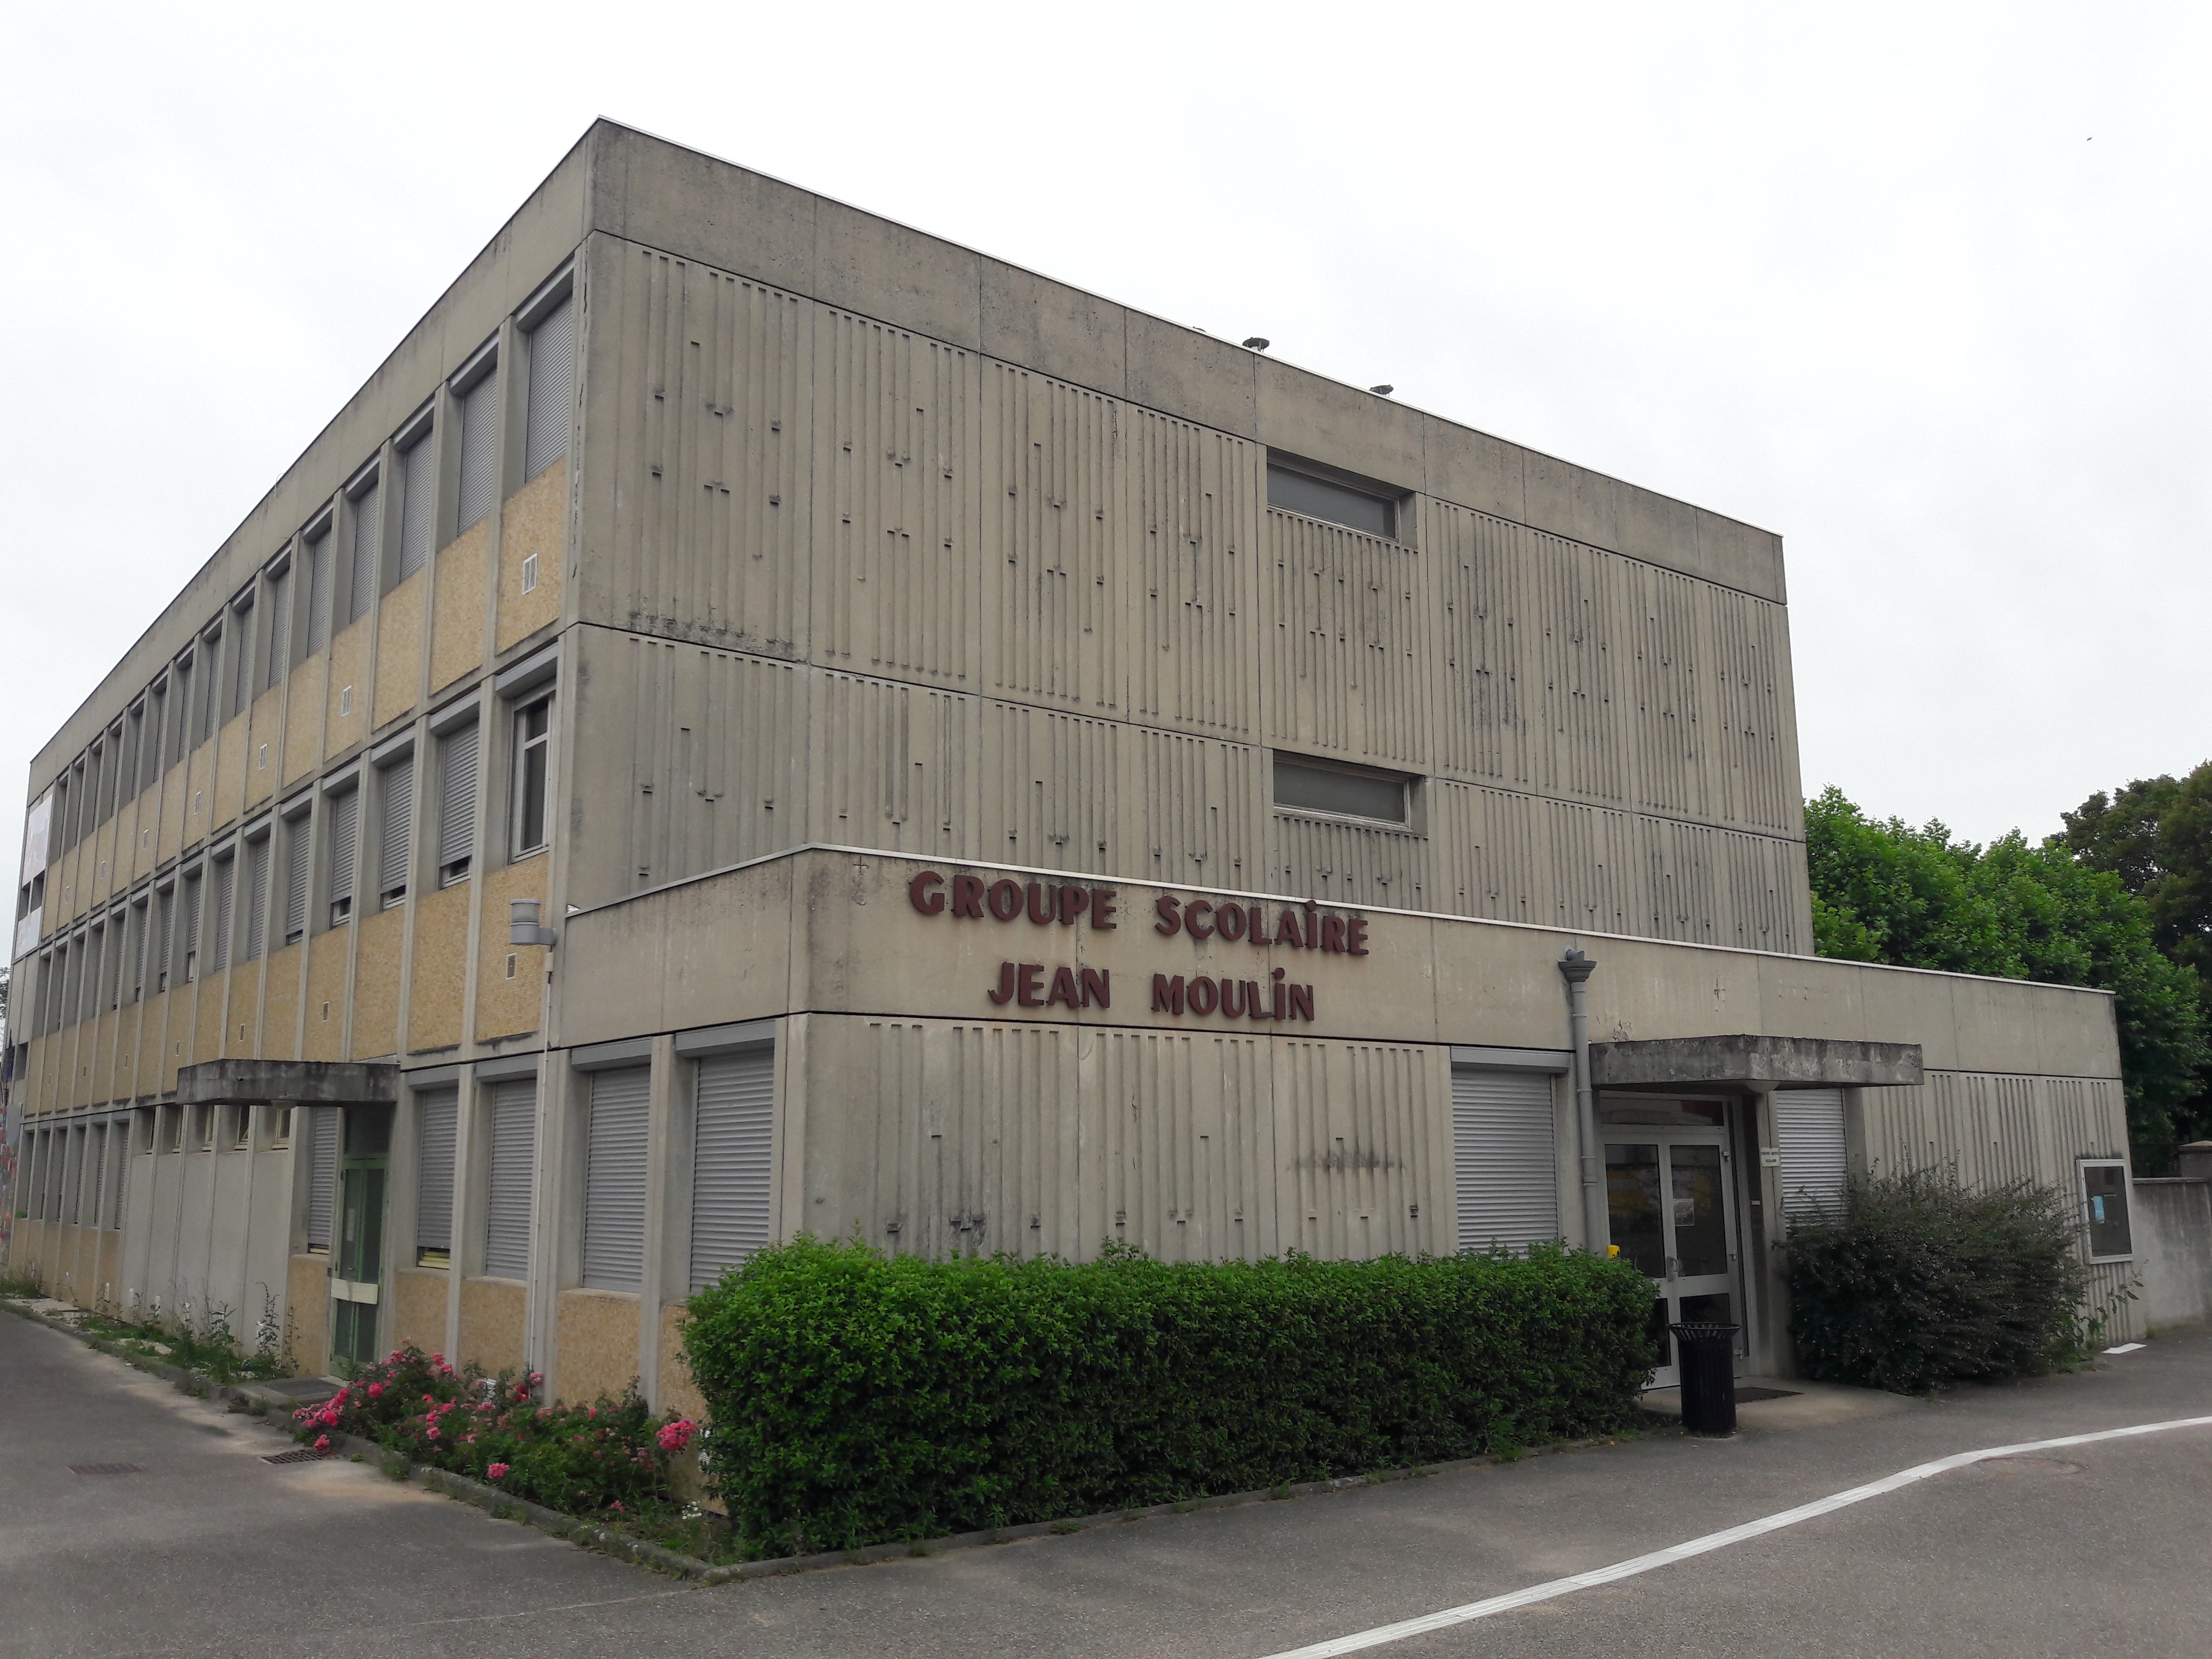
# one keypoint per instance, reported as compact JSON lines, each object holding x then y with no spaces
{"x":1786,"y":1062}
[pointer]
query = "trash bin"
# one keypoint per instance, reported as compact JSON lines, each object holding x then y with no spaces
{"x":1706,"y":1354}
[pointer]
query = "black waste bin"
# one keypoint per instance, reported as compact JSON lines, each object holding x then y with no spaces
{"x":1706,"y":1354}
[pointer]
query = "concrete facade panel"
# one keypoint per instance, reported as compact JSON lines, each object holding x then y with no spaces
{"x":324,"y":1019}
{"x":1353,"y":671}
{"x":379,"y":941}
{"x":595,"y":1345}
{"x":227,"y":797}
{"x":493,"y":1316}
{"x":346,"y":702}
{"x":510,"y":985}
{"x":305,"y":688}
{"x":457,"y":616}
{"x":438,"y":971}
{"x":418,"y":1308}
{"x":307,"y":1303}
{"x":280,"y":1003}
{"x":533,"y":539}
{"x":400,"y":632}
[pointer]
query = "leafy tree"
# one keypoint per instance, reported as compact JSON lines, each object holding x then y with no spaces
{"x":1883,"y":892}
{"x":2156,"y":836}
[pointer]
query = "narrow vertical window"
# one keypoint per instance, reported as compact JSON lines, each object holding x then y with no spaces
{"x":279,"y":629}
{"x":181,"y":737}
{"x":367,"y":545}
{"x":241,"y":660}
{"x":210,"y":684}
{"x":157,"y":728}
{"x":479,"y":479}
{"x":533,"y":727}
{"x":165,"y":911}
{"x":322,"y":1176}
{"x":218,"y":920}
{"x":299,"y":875}
{"x":733,"y":1135}
{"x":418,"y":504}
{"x":552,"y":377}
{"x":434,"y":1176}
{"x":192,"y":902}
{"x":506,"y":1205}
{"x":134,"y":738}
{"x":140,"y":940}
{"x":254,"y":912}
{"x":395,"y":845}
{"x":457,"y":804}
{"x":615,"y":1179}
{"x":345,"y":842}
{"x":318,"y":590}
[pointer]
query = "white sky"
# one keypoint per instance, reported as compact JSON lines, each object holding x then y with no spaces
{"x":1920,"y":287}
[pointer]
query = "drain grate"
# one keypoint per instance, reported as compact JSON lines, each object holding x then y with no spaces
{"x":298,"y":1455}
{"x":105,"y":1468}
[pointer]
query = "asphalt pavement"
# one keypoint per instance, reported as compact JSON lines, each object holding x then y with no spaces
{"x":209,"y":1550}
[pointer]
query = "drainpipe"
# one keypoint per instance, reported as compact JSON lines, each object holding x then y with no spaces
{"x":1576,"y":969}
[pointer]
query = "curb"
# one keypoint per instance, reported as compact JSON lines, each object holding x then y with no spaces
{"x":507,"y":1506}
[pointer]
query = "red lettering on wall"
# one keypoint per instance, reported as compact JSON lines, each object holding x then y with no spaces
{"x":1232,"y":998}
{"x":1063,"y":990}
{"x":1286,"y":928}
{"x":1204,"y":994}
{"x":1005,"y":994}
{"x":1230,"y":922}
{"x":1167,"y":994}
{"x":1253,"y":1008}
{"x":1258,"y":935}
{"x":1098,"y":988}
{"x":968,"y":896}
{"x":1103,"y":906}
{"x":1005,"y":900}
{"x":1074,"y":901}
{"x":1040,"y":905}
{"x":1166,"y":910}
{"x":1027,"y":985}
{"x":1332,"y":933}
{"x":1301,"y":1001}
{"x":1355,"y":942}
{"x":921,"y":892}
{"x":1190,"y":919}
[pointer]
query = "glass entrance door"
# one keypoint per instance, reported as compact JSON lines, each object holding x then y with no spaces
{"x":357,"y":1260}
{"x":1669,"y":1194}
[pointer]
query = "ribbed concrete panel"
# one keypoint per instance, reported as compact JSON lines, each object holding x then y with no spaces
{"x":1484,"y":732}
{"x":1665,"y":717}
{"x":1752,"y":739}
{"x":1762,"y":879}
{"x":1178,"y":1145}
{"x":703,"y":392}
{"x":1344,"y":863}
{"x":1490,"y":855}
{"x":1193,"y":522}
{"x":1047,"y":794}
{"x":1594,"y":870}
{"x":1349,"y":670}
{"x":896,"y":585}
{"x":1055,"y":603}
{"x":898,"y":767}
{"x":1361,"y":1149}
{"x":1197,"y":802}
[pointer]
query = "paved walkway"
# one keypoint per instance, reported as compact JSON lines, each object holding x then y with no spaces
{"x":212,"y":1551}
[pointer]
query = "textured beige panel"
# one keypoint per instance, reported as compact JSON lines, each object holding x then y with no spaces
{"x":532,"y":525}
{"x":152,"y":1041}
{"x":440,"y":970}
{"x":457,"y":606}
{"x":676,"y":1394}
{"x":1191,"y":521}
{"x":494,"y":1312}
{"x":227,"y":796}
{"x":1351,"y":670}
{"x":307,"y":1313}
{"x":1055,"y":599}
{"x":399,"y":648}
{"x":418,"y":1308}
{"x":199,"y":782}
{"x":345,"y":720}
{"x":123,"y":1074}
{"x":207,"y":1031}
{"x":240,"y":1038}
{"x":101,"y":1073}
{"x":1343,"y":863}
{"x":1360,"y":1138}
{"x":303,"y":732}
{"x":1194,"y":804}
{"x":175,"y":1048}
{"x":280,"y":1004}
{"x":1182,"y":1126}
{"x":147,"y":819}
{"x":897,"y":587}
{"x":595,"y":1345}
{"x":378,"y":940}
{"x":706,"y":409}
{"x":265,"y":747}
{"x":1048,"y":795}
{"x":898,"y":766}
{"x":327,"y":956}
{"x":508,"y":1003}
{"x":104,"y":880}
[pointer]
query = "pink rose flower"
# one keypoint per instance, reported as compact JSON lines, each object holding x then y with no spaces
{"x":432,"y":1432}
{"x":375,"y":1390}
{"x":674,"y":1437}
{"x":322,"y":1442}
{"x":497,"y":1471}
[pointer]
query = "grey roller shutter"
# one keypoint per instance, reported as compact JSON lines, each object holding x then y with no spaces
{"x":457,"y":797}
{"x":1505,"y":1166}
{"x":97,"y":1171}
{"x":507,"y":1206}
{"x":119,"y":1143}
{"x":398,"y":782}
{"x":418,"y":505}
{"x":299,"y":875}
{"x":1808,"y":1129}
{"x":280,"y":627}
{"x":367,"y":539}
{"x":225,"y":877}
{"x":734,"y":1134}
{"x":552,"y":376}
{"x":73,"y":1179}
{"x":318,"y":592}
{"x":434,"y":1168}
{"x":256,"y":900}
{"x":345,"y":843}
{"x":479,"y":479}
{"x":165,"y":910}
{"x":322,"y":1173}
{"x":614,"y":1180}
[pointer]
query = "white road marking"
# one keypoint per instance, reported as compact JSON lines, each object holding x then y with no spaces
{"x":1712,"y":1542}
{"x":2124,"y":1347}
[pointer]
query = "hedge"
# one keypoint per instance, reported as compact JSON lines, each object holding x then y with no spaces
{"x":856,"y":1399}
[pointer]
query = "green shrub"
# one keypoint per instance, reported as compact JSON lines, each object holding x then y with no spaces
{"x":1918,"y":1281}
{"x":855,"y":1399}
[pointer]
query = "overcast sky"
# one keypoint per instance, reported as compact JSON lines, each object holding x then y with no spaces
{"x":1922,"y":287}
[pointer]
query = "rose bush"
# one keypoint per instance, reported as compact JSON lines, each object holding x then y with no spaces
{"x":613,"y":1455}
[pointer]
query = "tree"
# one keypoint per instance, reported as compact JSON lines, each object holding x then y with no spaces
{"x":1888,"y":892}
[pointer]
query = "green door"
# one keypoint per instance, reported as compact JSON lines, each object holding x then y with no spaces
{"x":357,"y":1263}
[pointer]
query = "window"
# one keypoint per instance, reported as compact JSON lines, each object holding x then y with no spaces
{"x":280,"y":628}
{"x":1808,"y":1132}
{"x":203,"y":1128}
{"x":134,"y":739}
{"x":165,"y":911}
{"x":2104,"y":1208}
{"x":367,"y":545}
{"x":479,"y":479}
{"x":418,"y":503}
{"x":280,"y":1130}
{"x":241,"y":660}
{"x":1311,"y":786}
{"x":434,"y":1176}
{"x":457,"y":803}
{"x":614,"y":1180}
{"x":552,"y":374}
{"x":1505,"y":1166}
{"x":1317,"y":497}
{"x":180,"y":738}
{"x":397,"y":784}
{"x":299,"y":873}
{"x":210,"y":684}
{"x":733,"y":1129}
{"x":319,"y":587}
{"x":176,"y":1137}
{"x":191,"y":902}
{"x":225,"y":874}
{"x":533,"y":727}
{"x":322,"y":1174}
{"x":157,"y":726}
{"x":345,"y":841}
{"x":136,"y":950}
{"x":95,"y":1174}
{"x":241,"y":1125}
{"x":507,"y":1204}
{"x":254,"y":914}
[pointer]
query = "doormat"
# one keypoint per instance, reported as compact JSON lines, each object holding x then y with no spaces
{"x":1743,"y":1395}
{"x":298,"y":1455}
{"x":105,"y":1468}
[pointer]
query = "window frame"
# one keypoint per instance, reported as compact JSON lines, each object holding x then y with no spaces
{"x":2081,"y":1168}
{"x":1410,"y":794}
{"x":520,"y":710}
{"x":1389,"y":500}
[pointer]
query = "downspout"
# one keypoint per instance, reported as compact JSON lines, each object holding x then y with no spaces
{"x":1576,"y":969}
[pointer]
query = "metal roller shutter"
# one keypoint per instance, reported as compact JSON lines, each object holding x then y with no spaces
{"x":280,"y":628}
{"x":256,"y":900}
{"x":434,"y":1168}
{"x":218,"y":916}
{"x":118,"y":1142}
{"x":552,"y":373}
{"x":322,"y":1173}
{"x":73,"y":1179}
{"x":733,"y":1130}
{"x":507,"y":1206}
{"x":1505,"y":1166}
{"x":318,"y":592}
{"x":96,"y":1162}
{"x":1808,"y":1129}
{"x":479,"y":481}
{"x":398,"y":782}
{"x":457,"y":799}
{"x":418,"y":505}
{"x":615,"y":1178}
{"x":368,"y":526}
{"x":299,"y":846}
{"x":345,"y":843}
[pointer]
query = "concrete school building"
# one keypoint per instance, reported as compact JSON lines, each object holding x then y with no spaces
{"x":757,"y":719}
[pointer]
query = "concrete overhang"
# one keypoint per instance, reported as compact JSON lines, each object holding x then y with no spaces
{"x":294,"y":1082}
{"x":1784,"y":1062}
